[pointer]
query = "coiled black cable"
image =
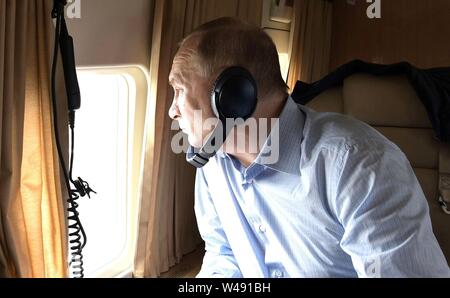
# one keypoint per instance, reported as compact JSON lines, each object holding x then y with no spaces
{"x":76,"y":234}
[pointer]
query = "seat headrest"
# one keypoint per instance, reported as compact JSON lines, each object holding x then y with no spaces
{"x":384,"y":101}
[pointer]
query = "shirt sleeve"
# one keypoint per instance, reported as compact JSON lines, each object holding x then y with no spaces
{"x":384,"y":214}
{"x":219,"y":260}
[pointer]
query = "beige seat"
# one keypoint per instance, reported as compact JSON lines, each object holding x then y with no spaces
{"x":391,"y":106}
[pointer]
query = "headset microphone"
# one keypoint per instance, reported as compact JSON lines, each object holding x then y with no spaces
{"x":234,"y":96}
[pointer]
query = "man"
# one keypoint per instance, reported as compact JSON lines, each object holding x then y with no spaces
{"x":340,"y":200}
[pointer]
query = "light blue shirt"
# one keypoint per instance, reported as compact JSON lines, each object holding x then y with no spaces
{"x":341,"y":201}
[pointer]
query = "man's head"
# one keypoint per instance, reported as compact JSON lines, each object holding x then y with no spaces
{"x":204,"y":54}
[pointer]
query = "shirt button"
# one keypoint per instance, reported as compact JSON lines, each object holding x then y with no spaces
{"x":262,"y":228}
{"x":278,"y":273}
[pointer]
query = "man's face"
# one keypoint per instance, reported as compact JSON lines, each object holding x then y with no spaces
{"x":191,"y":99}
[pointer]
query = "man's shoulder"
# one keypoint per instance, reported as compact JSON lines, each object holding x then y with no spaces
{"x":339,"y":132}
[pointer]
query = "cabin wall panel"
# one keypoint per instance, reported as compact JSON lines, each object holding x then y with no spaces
{"x":417,"y":31}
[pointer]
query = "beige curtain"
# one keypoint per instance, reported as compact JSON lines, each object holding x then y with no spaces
{"x":32,"y":225}
{"x":311,"y":41}
{"x":167,"y":223}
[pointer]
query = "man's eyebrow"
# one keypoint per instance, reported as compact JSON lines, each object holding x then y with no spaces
{"x":176,"y":78}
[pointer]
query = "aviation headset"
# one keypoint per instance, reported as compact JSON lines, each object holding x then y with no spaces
{"x":234,"y":96}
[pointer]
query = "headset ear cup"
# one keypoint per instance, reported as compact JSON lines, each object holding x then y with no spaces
{"x":234,"y":94}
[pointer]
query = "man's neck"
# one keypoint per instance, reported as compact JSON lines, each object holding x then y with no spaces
{"x":268,"y":108}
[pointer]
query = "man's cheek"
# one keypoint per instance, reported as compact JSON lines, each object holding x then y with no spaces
{"x":197,"y":123}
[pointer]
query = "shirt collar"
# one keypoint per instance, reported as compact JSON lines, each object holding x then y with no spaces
{"x":290,"y":134}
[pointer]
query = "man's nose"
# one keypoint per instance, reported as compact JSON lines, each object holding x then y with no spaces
{"x":174,"y":113}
